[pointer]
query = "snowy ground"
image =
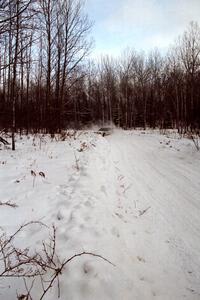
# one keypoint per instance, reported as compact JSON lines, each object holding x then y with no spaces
{"x":132,"y":197}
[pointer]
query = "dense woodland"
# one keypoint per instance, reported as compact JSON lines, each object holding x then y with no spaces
{"x":48,"y":82}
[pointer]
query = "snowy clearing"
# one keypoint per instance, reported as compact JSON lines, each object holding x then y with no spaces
{"x":132,"y":197}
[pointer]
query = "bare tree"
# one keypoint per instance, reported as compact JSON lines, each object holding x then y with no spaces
{"x":189,"y":53}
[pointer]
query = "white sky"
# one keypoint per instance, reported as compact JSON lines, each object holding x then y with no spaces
{"x":141,"y":24}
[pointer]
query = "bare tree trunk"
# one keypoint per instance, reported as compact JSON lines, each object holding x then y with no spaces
{"x":14,"y":91}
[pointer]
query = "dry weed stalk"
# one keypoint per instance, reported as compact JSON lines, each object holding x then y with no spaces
{"x":195,"y":140}
{"x":33,"y":173}
{"x":46,"y":265}
{"x":76,"y":161}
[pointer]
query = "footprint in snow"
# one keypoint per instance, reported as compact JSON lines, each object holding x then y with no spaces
{"x":87,"y":218}
{"x":62,"y":192}
{"x":103,"y":190}
{"x":88,"y":203}
{"x":59,"y":216}
{"x":89,"y":268}
{"x":120,"y":217}
{"x":115,"y":232}
{"x":141,"y":259}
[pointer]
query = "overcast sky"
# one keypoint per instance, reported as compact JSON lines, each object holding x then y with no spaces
{"x":141,"y":24}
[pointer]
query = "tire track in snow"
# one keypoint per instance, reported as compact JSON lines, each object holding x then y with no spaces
{"x":153,"y":186}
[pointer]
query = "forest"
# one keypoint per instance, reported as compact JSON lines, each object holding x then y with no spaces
{"x":48,"y":81}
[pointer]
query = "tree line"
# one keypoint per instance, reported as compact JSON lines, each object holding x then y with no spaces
{"x":48,"y":82}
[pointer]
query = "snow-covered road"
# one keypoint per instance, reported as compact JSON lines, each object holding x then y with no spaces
{"x":165,"y":181}
{"x":132,"y":197}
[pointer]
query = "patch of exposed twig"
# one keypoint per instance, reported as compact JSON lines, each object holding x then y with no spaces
{"x":142,"y":212}
{"x":8,"y":203}
{"x":2,"y":140}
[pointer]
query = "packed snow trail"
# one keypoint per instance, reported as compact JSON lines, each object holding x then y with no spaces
{"x":132,"y":197}
{"x":166,"y":183}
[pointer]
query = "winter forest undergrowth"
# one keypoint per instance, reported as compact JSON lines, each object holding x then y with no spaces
{"x":49,"y":82}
